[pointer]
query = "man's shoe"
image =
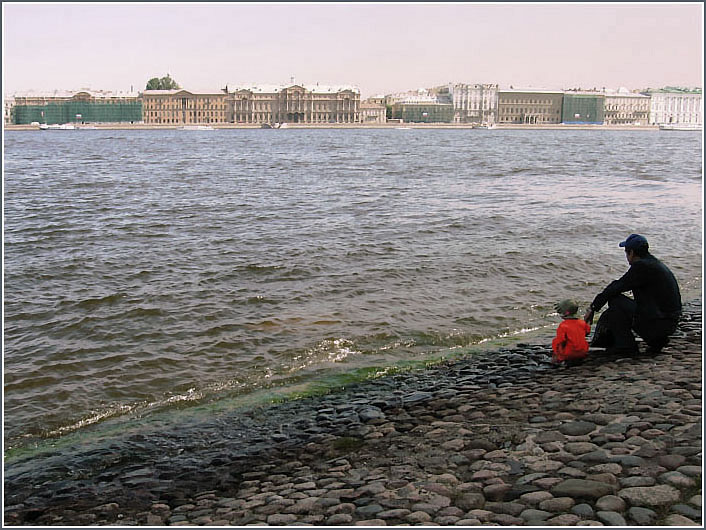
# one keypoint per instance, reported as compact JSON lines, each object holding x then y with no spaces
{"x":656,"y":347}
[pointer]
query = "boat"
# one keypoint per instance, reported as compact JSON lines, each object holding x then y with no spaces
{"x":56,"y":127}
{"x":680,"y":127}
{"x":197,"y":128}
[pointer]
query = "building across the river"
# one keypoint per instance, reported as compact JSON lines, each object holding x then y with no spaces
{"x":184,"y":107}
{"x":474,"y":103}
{"x":623,"y":107}
{"x":313,"y":104}
{"x":585,"y":108}
{"x":372,"y":112}
{"x":83,"y":106}
{"x":676,"y":106}
{"x":534,"y":107}
{"x":9,"y":107}
{"x":423,"y":107}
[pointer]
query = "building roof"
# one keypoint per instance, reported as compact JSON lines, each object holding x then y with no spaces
{"x":178,"y":90}
{"x":98,"y":94}
{"x":618,"y":94}
{"x":273,"y":89}
{"x":674,"y":90}
{"x":529,"y":90}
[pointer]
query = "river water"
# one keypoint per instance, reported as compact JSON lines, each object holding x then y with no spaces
{"x":149,"y":270}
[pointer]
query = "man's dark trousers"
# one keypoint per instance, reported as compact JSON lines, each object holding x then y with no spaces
{"x":614,"y":330}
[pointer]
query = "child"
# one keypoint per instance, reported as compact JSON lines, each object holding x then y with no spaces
{"x":570,"y":341}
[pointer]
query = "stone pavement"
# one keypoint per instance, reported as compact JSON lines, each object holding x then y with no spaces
{"x":483,"y":441}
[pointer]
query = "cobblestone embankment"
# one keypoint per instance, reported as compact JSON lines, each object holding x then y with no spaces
{"x":500,"y":439}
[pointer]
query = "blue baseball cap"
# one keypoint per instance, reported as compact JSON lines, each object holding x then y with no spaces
{"x":634,"y":241}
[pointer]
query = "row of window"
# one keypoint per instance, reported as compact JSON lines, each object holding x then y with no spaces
{"x":635,"y":107}
{"x":532,"y":119}
{"x":523,"y":110}
{"x":627,"y":115}
{"x":154,"y":113}
{"x":178,"y":105}
{"x":321,"y":107}
{"x":524,"y":101}
{"x":174,"y":120}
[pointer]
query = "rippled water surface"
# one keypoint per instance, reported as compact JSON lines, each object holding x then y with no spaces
{"x":149,"y":269}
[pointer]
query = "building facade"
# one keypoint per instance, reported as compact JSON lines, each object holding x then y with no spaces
{"x":372,"y":113}
{"x":9,"y":110}
{"x":529,"y":107}
{"x":183,"y":107}
{"x":625,"y":108}
{"x":586,"y":109}
{"x":676,"y":106}
{"x":84,"y":106}
{"x":423,"y":112}
{"x":294,"y":104}
{"x":474,"y":103}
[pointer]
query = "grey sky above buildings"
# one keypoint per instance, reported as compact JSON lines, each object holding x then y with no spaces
{"x":379,"y":47}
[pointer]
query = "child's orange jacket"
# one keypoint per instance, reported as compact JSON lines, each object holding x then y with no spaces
{"x":570,"y":341}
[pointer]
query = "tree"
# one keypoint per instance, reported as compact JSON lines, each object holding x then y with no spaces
{"x":165,"y":83}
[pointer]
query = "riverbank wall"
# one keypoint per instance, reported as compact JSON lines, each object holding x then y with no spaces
{"x":432,"y":126}
{"x":500,"y":438}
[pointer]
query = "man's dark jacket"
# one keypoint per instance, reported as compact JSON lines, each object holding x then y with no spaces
{"x":654,"y":288}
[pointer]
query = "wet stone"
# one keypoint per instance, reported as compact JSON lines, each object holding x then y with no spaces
{"x":690,"y":471}
{"x":566,"y":519}
{"x":661,"y":495}
{"x":611,"y":518}
{"x":687,"y":511}
{"x":532,"y":514}
{"x":678,"y":520}
{"x":632,"y":482}
{"x":579,"y":488}
{"x":583,"y":510}
{"x":577,"y":428}
{"x":509,"y":508}
{"x":676,"y":479}
{"x":671,"y":462}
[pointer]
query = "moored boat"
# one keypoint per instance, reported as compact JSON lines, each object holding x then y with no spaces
{"x":56,"y":127}
{"x":680,"y":127}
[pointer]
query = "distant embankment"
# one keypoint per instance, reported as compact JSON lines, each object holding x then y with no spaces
{"x":559,"y":126}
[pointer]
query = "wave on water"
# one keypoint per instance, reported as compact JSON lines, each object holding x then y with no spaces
{"x":140,"y":279}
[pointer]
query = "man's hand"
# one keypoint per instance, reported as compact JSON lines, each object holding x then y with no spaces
{"x":588,"y":317}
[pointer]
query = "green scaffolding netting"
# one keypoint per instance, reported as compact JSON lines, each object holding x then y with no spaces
{"x":78,"y":112}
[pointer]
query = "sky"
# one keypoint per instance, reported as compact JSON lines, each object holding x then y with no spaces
{"x":381,"y":48}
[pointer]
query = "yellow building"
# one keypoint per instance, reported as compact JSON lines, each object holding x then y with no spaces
{"x":294,"y":104}
{"x":529,"y":106}
{"x":182,"y":107}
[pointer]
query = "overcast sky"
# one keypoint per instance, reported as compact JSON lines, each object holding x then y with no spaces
{"x":380,"y":48}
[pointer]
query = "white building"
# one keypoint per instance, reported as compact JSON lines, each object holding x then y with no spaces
{"x":372,"y":112}
{"x":8,"y":103}
{"x":623,"y":107}
{"x":294,"y":104}
{"x":476,"y":103}
{"x":676,"y":106}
